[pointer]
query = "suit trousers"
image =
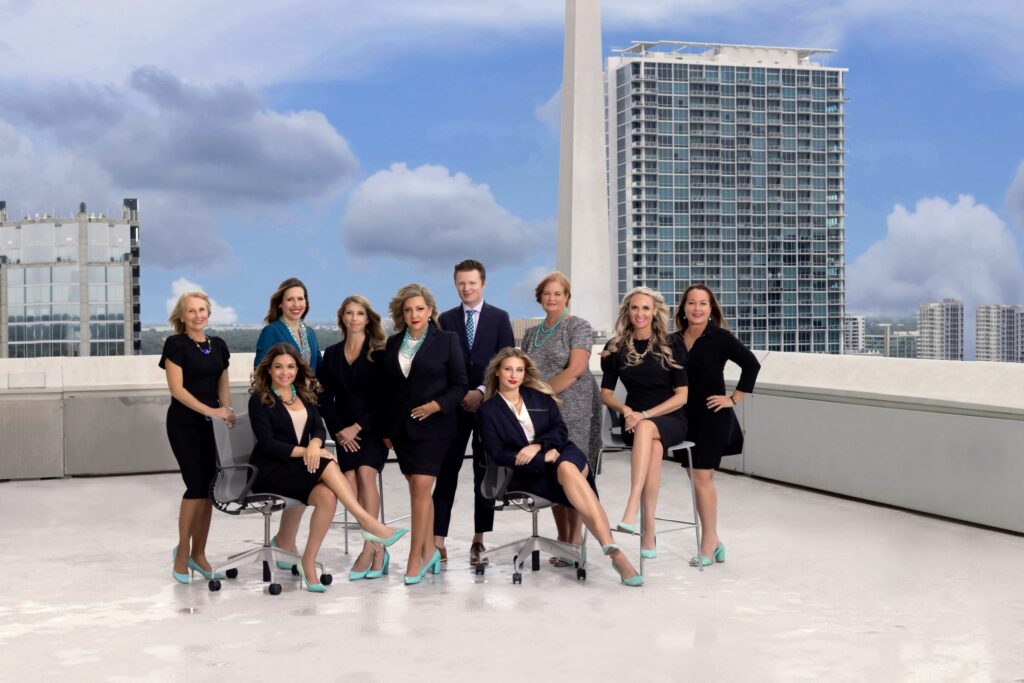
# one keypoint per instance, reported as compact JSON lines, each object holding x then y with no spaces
{"x":448,"y":480}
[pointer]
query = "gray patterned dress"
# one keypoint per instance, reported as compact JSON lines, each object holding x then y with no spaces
{"x":581,"y":402}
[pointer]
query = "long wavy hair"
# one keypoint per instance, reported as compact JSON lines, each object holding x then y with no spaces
{"x":403,"y":295}
{"x":277,"y":298}
{"x":531,"y":377}
{"x":179,"y":309}
{"x":716,"y":311}
{"x":374,"y":328}
{"x":624,"y":331}
{"x":306,"y":385}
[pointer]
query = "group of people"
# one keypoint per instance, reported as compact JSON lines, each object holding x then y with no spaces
{"x":439,"y":383}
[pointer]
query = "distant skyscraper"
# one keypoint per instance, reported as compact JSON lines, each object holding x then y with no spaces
{"x":70,"y":286}
{"x":727,"y":168}
{"x":901,"y":344}
{"x":941,"y":327}
{"x":853,"y":334}
{"x":1000,"y":333}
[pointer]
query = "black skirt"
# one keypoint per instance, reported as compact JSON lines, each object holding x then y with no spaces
{"x":372,"y":453}
{"x":671,"y":429}
{"x":290,"y":479}
{"x":546,"y":485}
{"x":421,"y":456}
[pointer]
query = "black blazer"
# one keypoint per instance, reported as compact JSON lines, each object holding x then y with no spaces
{"x":275,"y":433}
{"x":438,"y":374}
{"x":503,"y":436}
{"x":346,"y":402}
{"x":493,"y":333}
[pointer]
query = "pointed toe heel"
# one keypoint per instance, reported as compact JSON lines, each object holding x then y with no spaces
{"x":719,"y":554}
{"x":386,"y":542}
{"x":287,"y":566}
{"x":311,"y":587}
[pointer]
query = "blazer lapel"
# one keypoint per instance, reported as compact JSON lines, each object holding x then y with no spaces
{"x":513,"y":420}
{"x":431,"y":335}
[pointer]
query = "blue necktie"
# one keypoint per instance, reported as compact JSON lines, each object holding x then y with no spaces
{"x":470,"y":328}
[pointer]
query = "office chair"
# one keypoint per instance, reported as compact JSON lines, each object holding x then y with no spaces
{"x":611,"y":440}
{"x":232,"y":494}
{"x":494,"y":486}
{"x":344,"y":523}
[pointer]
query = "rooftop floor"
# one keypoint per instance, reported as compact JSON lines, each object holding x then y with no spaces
{"x":815,"y":587}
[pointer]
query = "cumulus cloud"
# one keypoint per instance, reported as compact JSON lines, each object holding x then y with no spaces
{"x":1015,"y":197}
{"x":550,"y":113}
{"x":221,"y":316}
{"x":428,"y":215}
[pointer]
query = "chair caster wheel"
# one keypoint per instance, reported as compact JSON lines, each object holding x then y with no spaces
{"x":274,"y":589}
{"x":295,"y":570}
{"x":581,"y":574}
{"x":214,"y":585}
{"x":326,"y":579}
{"x":479,"y":569}
{"x":517,"y":578}
{"x":231,"y":573}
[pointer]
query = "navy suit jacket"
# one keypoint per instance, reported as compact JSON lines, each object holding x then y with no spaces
{"x":438,"y":374}
{"x":503,"y":436}
{"x":277,"y":332}
{"x":493,"y":333}
{"x":275,"y":432}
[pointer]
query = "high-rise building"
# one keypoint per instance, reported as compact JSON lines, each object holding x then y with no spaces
{"x":853,"y":334}
{"x":726,"y":167}
{"x":941,"y":327}
{"x":1000,"y":333}
{"x":69,"y":286}
{"x":892,"y":344}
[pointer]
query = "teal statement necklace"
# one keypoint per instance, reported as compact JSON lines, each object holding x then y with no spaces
{"x":287,"y":403}
{"x":543,"y":329}
{"x":409,"y":345}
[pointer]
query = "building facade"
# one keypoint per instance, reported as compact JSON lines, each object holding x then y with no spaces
{"x":941,"y":328}
{"x":1000,"y":333}
{"x":892,"y":344}
{"x":726,"y":167}
{"x":69,"y":286}
{"x":853,"y":334}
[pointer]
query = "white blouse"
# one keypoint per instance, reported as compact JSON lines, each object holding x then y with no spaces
{"x":524,"y":418}
{"x":405,"y":363}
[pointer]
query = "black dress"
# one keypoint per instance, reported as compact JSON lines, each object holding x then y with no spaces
{"x":351,"y":394}
{"x":277,"y":471}
{"x":648,"y":384}
{"x":191,"y":433}
{"x":714,"y":434}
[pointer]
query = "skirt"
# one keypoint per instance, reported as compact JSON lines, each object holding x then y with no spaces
{"x":372,"y":453}
{"x":546,"y":484}
{"x":289,"y":479}
{"x":421,"y":456}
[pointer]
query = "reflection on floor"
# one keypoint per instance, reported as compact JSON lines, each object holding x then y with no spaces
{"x":814,"y":588}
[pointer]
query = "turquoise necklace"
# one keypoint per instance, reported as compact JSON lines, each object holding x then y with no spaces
{"x":409,"y":345}
{"x":287,"y":403}
{"x":547,"y":331}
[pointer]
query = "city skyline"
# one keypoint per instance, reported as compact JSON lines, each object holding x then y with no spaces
{"x":324,"y":154}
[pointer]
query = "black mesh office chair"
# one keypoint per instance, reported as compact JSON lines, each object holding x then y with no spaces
{"x":232,"y":494}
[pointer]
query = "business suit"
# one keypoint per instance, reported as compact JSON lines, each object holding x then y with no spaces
{"x":277,"y":332}
{"x":493,"y":333}
{"x":278,"y":472}
{"x":503,"y":437}
{"x":438,"y":373}
{"x":351,"y":395}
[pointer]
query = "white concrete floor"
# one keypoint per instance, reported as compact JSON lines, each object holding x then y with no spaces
{"x":815,"y":588}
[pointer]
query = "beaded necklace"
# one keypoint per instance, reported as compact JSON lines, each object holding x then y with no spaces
{"x":409,"y":345}
{"x":204,"y":346}
{"x":546,"y":331}
{"x":303,"y":341}
{"x":287,"y":403}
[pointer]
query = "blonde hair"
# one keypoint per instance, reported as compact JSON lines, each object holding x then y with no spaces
{"x":624,"y":331}
{"x":560,"y":278}
{"x":179,"y":309}
{"x":403,"y":295}
{"x":374,"y":328}
{"x":531,"y":376}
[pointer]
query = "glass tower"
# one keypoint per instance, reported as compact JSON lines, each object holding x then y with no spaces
{"x":727,"y":168}
{"x":69,"y":286}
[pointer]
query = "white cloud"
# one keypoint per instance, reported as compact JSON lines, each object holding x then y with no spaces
{"x":431,"y":217}
{"x":221,"y":316}
{"x":1015,"y":197}
{"x":550,"y":113}
{"x":521,"y":297}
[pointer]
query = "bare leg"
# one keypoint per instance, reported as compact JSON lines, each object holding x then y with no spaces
{"x":190,"y":509}
{"x":324,"y":505}
{"x":650,"y":495}
{"x":201,"y":531}
{"x":707,"y":509}
{"x":421,"y":503}
{"x":643,"y":441}
{"x":288,"y":529}
{"x":575,"y":527}
{"x":339,"y":485}
{"x":364,"y":480}
{"x":561,"y":515}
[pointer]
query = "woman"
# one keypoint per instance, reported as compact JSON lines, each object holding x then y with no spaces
{"x":285,"y":320}
{"x":521,"y":427}
{"x":197,"y":375}
{"x":425,"y":379}
{"x":640,"y":354}
{"x":707,"y":345}
{"x":561,"y":346}
{"x":350,"y":374}
{"x":290,"y":457}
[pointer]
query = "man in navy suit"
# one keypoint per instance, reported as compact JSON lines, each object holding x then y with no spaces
{"x":484,"y":330}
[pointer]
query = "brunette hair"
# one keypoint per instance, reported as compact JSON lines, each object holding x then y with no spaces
{"x":305,"y":383}
{"x":531,"y":378}
{"x":179,"y":309}
{"x":277,"y":298}
{"x":716,"y":316}
{"x":374,"y":328}
{"x":624,"y":331}
{"x":406,"y":293}
{"x":468,"y":265}
{"x":558,"y":277}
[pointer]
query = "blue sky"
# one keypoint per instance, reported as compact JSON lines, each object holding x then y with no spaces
{"x":357,"y":147}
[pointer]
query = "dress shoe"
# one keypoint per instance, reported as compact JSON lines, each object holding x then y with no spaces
{"x":281,"y":564}
{"x":377,"y":573}
{"x":194,"y":566}
{"x":475,"y":551}
{"x":353,"y":575}
{"x":444,"y":554}
{"x":386,"y":542}
{"x":431,"y":565}
{"x":633,"y":581}
{"x":311,"y":587}
{"x":180,"y":578}
{"x":718,"y":555}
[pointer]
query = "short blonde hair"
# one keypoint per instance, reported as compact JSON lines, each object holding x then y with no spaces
{"x":403,"y":295}
{"x":179,"y":309}
{"x":556,"y":276}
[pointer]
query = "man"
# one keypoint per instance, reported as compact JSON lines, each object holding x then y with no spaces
{"x":484,"y":330}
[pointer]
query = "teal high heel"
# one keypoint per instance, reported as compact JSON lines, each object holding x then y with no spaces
{"x":353,"y":575}
{"x":377,"y":573}
{"x":180,"y":578}
{"x":433,"y":564}
{"x":194,"y":566}
{"x":648,"y":553}
{"x":719,"y":553}
{"x":386,"y":542}
{"x":311,"y":587}
{"x":632,"y":528}
{"x":633,"y":581}
{"x":287,"y":566}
